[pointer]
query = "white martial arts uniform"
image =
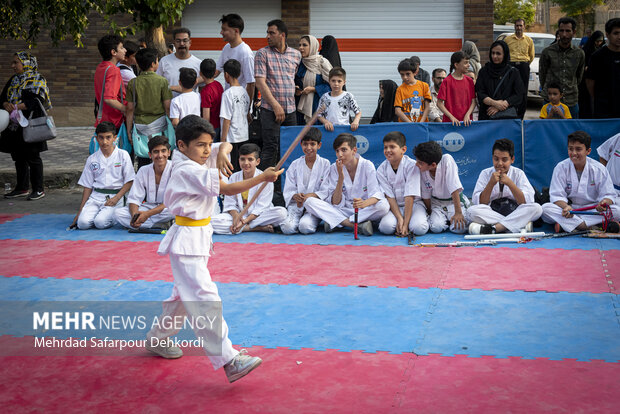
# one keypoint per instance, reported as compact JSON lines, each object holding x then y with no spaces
{"x":595,"y":184}
{"x":192,"y":193}
{"x":364,"y":186}
{"x":106,"y":174}
{"x":262,"y":207}
{"x":147,"y":195}
{"x":439,"y":190}
{"x":301,"y":179}
{"x":405,"y":182}
{"x":515,"y":221}
{"x":610,"y":151}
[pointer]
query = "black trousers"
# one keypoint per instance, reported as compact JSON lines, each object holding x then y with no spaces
{"x":29,"y":167}
{"x":270,"y":131}
{"x":524,"y":72}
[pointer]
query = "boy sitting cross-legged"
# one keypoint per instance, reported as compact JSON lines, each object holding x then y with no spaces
{"x":503,"y":199}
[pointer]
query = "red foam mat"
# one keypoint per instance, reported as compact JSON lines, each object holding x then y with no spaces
{"x":488,"y":385}
{"x":303,"y":381}
{"x":466,"y":268}
{"x":9,"y":217}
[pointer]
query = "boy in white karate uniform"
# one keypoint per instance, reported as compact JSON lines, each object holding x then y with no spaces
{"x":146,"y":197}
{"x":191,"y":194}
{"x":442,"y":192}
{"x":303,"y":180}
{"x":107,"y":176}
{"x":399,"y":179}
{"x":578,"y":181}
{"x":502,"y":182}
{"x":351,"y":183}
{"x":609,"y":156}
{"x":262,"y":215}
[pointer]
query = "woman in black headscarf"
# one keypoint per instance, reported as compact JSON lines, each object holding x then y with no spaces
{"x":385,"y":106}
{"x":594,"y":43}
{"x":329,"y":50}
{"x":26,"y":91}
{"x":499,"y":87}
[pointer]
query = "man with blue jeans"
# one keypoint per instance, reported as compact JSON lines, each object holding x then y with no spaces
{"x":563,"y":63}
{"x":274,"y":70}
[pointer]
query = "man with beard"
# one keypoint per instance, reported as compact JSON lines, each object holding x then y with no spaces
{"x":435,"y":114}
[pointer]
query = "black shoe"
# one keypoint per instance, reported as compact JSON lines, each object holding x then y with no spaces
{"x":487,"y":229}
{"x":35,"y":195}
{"x":16,"y":193}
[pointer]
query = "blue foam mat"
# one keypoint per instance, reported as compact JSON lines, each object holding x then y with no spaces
{"x":583,"y":326}
{"x":53,"y":227}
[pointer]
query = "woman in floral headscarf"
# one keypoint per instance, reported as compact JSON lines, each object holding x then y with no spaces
{"x":311,"y":79}
{"x":19,"y":97}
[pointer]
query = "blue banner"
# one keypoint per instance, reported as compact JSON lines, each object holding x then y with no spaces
{"x":546,"y":143}
{"x":470,"y":146}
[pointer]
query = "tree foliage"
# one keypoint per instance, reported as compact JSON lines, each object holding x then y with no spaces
{"x":505,"y":11}
{"x":577,"y":8}
{"x":25,"y":19}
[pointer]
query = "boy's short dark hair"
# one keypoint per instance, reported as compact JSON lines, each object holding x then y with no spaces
{"x":612,"y":24}
{"x":207,"y":68}
{"x":280,"y":25}
{"x":130,"y":47}
{"x":567,"y":20}
{"x":505,"y":145}
{"x":187,"y":77}
{"x":397,"y":137}
{"x":428,"y":152}
{"x":191,"y":127}
{"x":555,"y":85}
{"x":347,"y":138}
{"x":313,"y":134}
{"x":580,"y":136}
{"x":337,"y":71}
{"x":247,"y":149}
{"x":233,"y":20}
{"x":146,"y":57}
{"x":108,"y":43}
{"x":232,"y":67}
{"x":175,"y":32}
{"x":105,"y":126}
{"x":157,"y":141}
{"x":407,"y":65}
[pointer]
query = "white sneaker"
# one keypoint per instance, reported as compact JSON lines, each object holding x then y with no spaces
{"x":474,"y":228}
{"x":529,"y":227}
{"x":365,"y":228}
{"x":168,"y":352}
{"x":241,"y":365}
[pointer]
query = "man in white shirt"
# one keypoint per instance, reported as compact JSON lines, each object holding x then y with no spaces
{"x":236,"y":48}
{"x":169,"y":65}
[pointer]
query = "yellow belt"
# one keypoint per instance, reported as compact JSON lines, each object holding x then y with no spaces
{"x":186,"y":221}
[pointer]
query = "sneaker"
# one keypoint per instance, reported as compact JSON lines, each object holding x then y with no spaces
{"x":163,"y":225}
{"x":168,"y":352}
{"x":36,"y":195}
{"x":241,"y":365}
{"x":365,"y":228}
{"x":558,"y":228}
{"x":529,"y":227}
{"x":327,"y":228}
{"x":474,"y":228}
{"x":487,"y":229}
{"x":16,"y":193}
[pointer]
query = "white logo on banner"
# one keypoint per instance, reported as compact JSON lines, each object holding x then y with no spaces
{"x":453,"y":142}
{"x":362,"y":144}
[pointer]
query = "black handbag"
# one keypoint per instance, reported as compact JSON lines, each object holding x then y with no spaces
{"x":511,"y":111}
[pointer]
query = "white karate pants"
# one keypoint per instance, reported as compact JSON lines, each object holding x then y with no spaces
{"x":298,"y":221}
{"x":274,"y":215}
{"x":96,"y":214}
{"x":193,"y":284}
{"x":438,"y":221}
{"x":334,"y":215}
{"x":124,"y":218}
{"x":514,"y":222}
{"x":552,"y":213}
{"x":388,"y":223}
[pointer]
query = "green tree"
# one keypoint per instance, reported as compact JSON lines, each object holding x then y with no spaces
{"x":580,"y":10}
{"x":505,"y":11}
{"x":25,"y":19}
